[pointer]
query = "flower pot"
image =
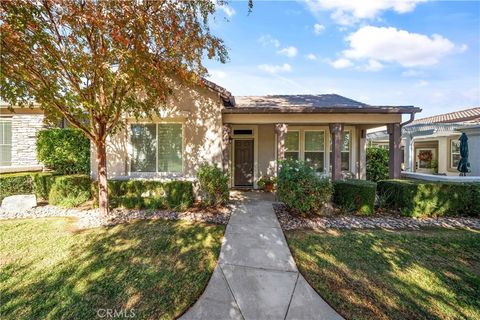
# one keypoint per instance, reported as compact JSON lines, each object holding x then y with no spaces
{"x":268,"y":187}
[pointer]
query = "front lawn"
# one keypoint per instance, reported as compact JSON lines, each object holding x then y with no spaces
{"x":378,"y":274}
{"x":149,"y":269}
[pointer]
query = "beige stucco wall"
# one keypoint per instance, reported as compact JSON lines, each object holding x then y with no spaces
{"x":266,"y":150}
{"x":199,"y":110}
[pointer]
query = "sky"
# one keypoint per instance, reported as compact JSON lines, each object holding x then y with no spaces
{"x":380,"y":52}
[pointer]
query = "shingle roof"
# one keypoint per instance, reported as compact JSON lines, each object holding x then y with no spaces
{"x":298,"y":100}
{"x":227,"y":97}
{"x":308,"y":103}
{"x":467,"y":115}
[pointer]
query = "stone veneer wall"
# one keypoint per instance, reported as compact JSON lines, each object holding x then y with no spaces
{"x":24,"y":131}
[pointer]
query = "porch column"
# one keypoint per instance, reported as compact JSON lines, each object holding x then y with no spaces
{"x":362,"y":154}
{"x":226,"y":132}
{"x":336,"y":131}
{"x":409,"y":165}
{"x":395,"y":138}
{"x":280,"y":130}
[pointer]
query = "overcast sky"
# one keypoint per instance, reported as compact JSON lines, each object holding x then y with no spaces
{"x":381,"y":52}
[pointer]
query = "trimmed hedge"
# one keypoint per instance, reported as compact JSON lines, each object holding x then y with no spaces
{"x":301,"y":189}
{"x":38,"y":183}
{"x":355,"y":195}
{"x":420,"y":198}
{"x":70,"y":191}
{"x":146,"y":194}
{"x":67,"y":151}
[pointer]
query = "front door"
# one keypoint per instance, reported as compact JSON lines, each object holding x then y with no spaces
{"x":243,"y":162}
{"x":426,"y":160}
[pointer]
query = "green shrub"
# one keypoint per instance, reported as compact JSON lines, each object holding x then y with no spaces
{"x":70,"y":191}
{"x":355,"y":195}
{"x":42,"y":183}
{"x":301,"y":189}
{"x":38,"y":183}
{"x":145,"y":194}
{"x":213,"y":184}
{"x":377,"y":164}
{"x":12,"y":184}
{"x":179,"y":194}
{"x":67,"y":151}
{"x":419,"y":198}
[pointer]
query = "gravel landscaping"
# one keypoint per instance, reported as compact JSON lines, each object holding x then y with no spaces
{"x":293,"y":222}
{"x":91,"y":218}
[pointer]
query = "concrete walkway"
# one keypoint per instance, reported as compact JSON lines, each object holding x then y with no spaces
{"x":256,"y":277}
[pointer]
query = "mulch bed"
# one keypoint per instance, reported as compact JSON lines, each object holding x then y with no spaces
{"x":290,"y":221}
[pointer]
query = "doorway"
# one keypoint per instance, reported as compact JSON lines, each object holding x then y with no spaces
{"x":243,"y":162}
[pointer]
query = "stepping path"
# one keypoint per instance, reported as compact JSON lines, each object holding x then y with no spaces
{"x":256,"y":277}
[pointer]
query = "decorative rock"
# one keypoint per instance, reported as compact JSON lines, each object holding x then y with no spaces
{"x":93,"y":218}
{"x":19,"y":202}
{"x":293,"y":222}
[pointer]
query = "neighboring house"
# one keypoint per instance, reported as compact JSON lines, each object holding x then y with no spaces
{"x":18,"y":129}
{"x":247,"y":135}
{"x":431,"y":144}
{"x":473,"y":134}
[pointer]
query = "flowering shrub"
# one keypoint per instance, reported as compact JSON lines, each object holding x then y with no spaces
{"x":301,"y":189}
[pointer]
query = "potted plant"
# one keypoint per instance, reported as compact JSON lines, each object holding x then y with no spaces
{"x":266,"y":183}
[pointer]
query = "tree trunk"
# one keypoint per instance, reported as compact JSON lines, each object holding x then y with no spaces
{"x":102,"y":178}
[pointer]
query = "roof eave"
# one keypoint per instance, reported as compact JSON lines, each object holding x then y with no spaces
{"x":369,"y":109}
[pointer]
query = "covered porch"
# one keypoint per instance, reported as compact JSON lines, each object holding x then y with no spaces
{"x":252,"y":149}
{"x":333,"y":143}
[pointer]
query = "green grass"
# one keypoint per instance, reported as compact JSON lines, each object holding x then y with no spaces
{"x":428,"y":274}
{"x":155,"y":269}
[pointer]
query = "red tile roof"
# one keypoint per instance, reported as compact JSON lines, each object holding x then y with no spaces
{"x":467,"y":115}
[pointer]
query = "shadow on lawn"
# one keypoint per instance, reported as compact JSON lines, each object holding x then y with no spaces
{"x":155,"y":269}
{"x":401,"y":275}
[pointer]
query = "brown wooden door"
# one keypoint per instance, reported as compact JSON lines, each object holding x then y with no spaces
{"x":243,"y":163}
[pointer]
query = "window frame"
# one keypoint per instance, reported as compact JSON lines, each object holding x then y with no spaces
{"x":10,"y":145}
{"x":452,"y":166}
{"x":304,"y":149}
{"x":181,"y":148}
{"x":298,"y":151}
{"x":156,"y":172}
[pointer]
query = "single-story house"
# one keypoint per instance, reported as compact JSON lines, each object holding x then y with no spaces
{"x":248,"y":135}
{"x":431,"y":145}
{"x":473,"y":134}
{"x":18,"y":129}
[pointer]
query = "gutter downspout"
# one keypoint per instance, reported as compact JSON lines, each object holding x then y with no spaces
{"x":412,"y":117}
{"x":409,"y":147}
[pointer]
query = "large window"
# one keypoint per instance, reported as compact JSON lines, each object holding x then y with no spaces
{"x":156,"y":147}
{"x":314,"y":147}
{"x":5,"y":142}
{"x":345,"y":151}
{"x":454,"y":153}
{"x":292,"y":145}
